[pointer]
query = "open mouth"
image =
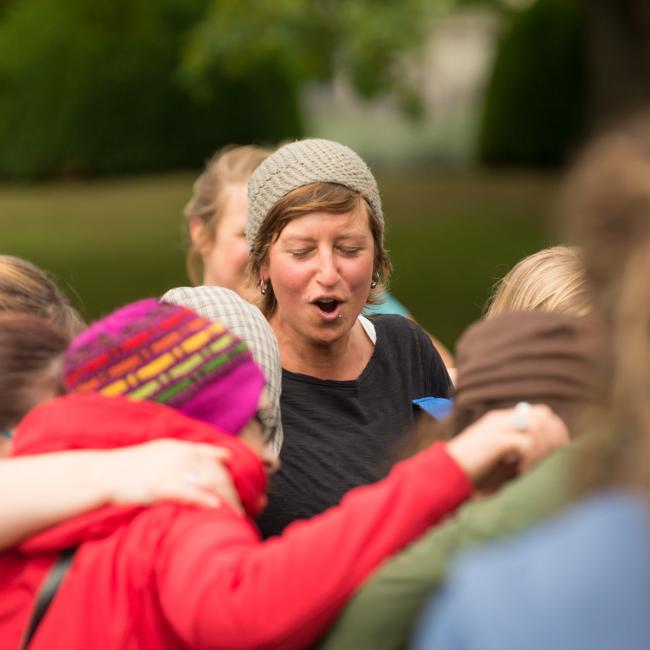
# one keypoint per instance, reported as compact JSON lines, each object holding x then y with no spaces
{"x":328,"y":307}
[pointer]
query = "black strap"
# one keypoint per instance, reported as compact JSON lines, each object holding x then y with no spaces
{"x":47,"y":592}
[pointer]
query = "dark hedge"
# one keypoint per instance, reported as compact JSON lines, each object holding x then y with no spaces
{"x":94,"y":87}
{"x":535,"y":107}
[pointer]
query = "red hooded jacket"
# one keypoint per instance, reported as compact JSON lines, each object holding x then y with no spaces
{"x":174,"y":576}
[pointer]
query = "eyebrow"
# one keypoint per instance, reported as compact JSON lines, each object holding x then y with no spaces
{"x":296,"y":239}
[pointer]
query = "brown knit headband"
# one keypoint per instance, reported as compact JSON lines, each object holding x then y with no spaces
{"x":528,"y":355}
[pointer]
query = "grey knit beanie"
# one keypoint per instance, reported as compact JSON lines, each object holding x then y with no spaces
{"x":248,"y":323}
{"x":301,"y":163}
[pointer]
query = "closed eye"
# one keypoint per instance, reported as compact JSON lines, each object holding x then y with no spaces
{"x":349,"y":250}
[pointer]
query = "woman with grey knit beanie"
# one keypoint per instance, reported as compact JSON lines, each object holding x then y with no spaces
{"x":315,"y":234}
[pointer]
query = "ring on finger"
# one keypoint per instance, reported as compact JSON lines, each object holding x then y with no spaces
{"x":521,"y":416}
{"x":193,"y":478}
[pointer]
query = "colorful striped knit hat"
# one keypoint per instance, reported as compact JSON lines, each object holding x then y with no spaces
{"x":246,"y":321}
{"x":168,"y":354}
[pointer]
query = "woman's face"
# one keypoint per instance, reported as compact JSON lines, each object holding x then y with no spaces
{"x":320,"y":268}
{"x":225,"y":257}
{"x":253,"y":435}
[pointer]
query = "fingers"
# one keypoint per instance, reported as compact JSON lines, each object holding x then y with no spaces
{"x":210,"y":451}
{"x":206,"y":471}
{"x":501,"y":436}
{"x":172,"y":470}
{"x":544,"y":433}
{"x":193,"y":496}
{"x":216,"y":481}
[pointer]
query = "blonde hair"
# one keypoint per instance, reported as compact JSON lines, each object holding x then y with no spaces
{"x":317,"y":197}
{"x":551,"y":280}
{"x":228,"y":166}
{"x":26,"y":289}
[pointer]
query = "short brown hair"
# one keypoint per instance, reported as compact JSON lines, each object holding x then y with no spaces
{"x":316,"y":197}
{"x":226,"y":167}
{"x":29,"y":348}
{"x":26,"y":289}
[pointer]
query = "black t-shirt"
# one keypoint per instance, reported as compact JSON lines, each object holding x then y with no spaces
{"x":340,"y":434}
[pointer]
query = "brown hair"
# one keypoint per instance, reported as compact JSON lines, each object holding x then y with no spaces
{"x":316,"y":197}
{"x":30,"y":370}
{"x":552,"y":279}
{"x":26,"y":289}
{"x":227,"y":167}
{"x":607,"y":204}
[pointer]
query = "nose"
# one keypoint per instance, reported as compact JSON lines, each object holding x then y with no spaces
{"x":328,"y":273}
{"x":271,"y":462}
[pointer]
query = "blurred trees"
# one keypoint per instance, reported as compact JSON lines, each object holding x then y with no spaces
{"x":535,"y":109}
{"x":119,"y":86}
{"x":106,"y":86}
{"x":564,"y":69}
{"x":96,"y":86}
{"x":618,"y":57}
{"x":313,"y":40}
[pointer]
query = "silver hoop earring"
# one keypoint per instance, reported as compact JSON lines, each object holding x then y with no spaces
{"x":375,"y":280}
{"x":264,"y":287}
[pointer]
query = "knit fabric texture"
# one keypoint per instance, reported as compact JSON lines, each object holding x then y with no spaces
{"x":247,"y":322}
{"x":517,"y":355}
{"x":301,"y":163}
{"x":170,"y":355}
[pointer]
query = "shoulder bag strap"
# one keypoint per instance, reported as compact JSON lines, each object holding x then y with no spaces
{"x":46,"y":594}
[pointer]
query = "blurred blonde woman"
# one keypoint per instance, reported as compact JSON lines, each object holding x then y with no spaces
{"x":216,"y":220}
{"x":27,"y":289}
{"x":551,"y":280}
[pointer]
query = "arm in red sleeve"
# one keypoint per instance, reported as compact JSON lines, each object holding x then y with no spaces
{"x":220,"y":586}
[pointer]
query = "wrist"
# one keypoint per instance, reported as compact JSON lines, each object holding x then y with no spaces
{"x":101,"y":470}
{"x":477,"y":452}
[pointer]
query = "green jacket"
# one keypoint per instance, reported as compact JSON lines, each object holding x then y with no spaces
{"x":383,"y":612}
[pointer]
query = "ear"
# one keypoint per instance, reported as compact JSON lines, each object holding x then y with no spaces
{"x":264,"y":272}
{"x":198,"y":235}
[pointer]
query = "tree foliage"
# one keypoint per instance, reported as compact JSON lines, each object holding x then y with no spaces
{"x":95,"y":86}
{"x":105,"y":86}
{"x":312,"y":40}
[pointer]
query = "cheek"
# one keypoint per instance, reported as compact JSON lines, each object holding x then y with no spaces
{"x":229,"y":254}
{"x":239,"y":253}
{"x":286,"y":275}
{"x":358,"y":273}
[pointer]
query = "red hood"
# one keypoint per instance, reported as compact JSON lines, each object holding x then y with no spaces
{"x":91,"y":421}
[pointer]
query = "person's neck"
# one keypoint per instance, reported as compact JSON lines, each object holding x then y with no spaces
{"x":341,"y":360}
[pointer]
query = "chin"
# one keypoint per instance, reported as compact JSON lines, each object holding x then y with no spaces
{"x":327,"y":336}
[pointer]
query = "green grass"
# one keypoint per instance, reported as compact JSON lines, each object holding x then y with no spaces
{"x":450,"y":236}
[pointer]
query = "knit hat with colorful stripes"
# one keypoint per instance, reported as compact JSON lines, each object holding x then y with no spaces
{"x":168,"y":354}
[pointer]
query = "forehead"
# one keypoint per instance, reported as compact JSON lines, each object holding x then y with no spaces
{"x":328,"y":224}
{"x":235,"y":199}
